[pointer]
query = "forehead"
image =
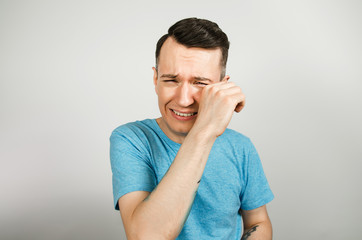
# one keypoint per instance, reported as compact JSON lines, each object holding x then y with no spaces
{"x":177,"y":58}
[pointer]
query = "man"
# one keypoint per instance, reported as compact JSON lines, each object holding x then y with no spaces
{"x":185,"y":175}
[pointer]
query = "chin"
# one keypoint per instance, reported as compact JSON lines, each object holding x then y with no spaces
{"x":180,"y":128}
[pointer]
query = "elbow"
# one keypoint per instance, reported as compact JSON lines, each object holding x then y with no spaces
{"x":142,"y":232}
{"x":147,"y":236}
{"x":141,"y":228}
{"x":143,"y":235}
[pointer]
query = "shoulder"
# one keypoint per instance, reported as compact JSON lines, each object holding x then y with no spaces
{"x":131,"y":139}
{"x":133,"y":135}
{"x":133,"y":130}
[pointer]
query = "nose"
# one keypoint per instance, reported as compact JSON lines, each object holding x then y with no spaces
{"x":185,"y":95}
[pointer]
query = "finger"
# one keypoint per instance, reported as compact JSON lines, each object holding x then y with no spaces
{"x":220,"y":85}
{"x":241,"y":103}
{"x":231,"y":89}
{"x":237,"y":95}
{"x":240,"y":106}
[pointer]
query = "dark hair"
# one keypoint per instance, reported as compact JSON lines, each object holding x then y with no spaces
{"x":201,"y":33}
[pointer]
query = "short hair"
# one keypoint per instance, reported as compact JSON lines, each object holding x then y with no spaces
{"x":200,"y":33}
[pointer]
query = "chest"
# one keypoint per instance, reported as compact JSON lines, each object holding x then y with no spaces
{"x":221,"y":183}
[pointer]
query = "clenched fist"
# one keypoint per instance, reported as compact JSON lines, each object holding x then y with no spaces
{"x":217,"y":103}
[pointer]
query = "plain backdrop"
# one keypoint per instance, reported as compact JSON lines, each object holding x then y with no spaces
{"x":72,"y":71}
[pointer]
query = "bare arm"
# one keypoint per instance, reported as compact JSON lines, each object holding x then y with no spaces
{"x":257,"y":224}
{"x":162,"y":213}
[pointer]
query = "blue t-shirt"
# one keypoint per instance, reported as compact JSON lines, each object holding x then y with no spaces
{"x":233,"y":178}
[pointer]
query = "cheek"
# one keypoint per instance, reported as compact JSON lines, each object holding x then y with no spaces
{"x":197,"y":94}
{"x":164,"y":94}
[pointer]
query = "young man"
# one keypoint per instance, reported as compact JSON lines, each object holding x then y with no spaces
{"x":185,"y":175}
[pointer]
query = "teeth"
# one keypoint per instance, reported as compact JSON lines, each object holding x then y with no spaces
{"x":183,"y":114}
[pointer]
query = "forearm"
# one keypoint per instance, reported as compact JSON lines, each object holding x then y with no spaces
{"x":163,"y":213}
{"x":260,"y":231}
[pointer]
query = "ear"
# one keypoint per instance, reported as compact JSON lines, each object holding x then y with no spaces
{"x":226,"y":78}
{"x":155,"y":76}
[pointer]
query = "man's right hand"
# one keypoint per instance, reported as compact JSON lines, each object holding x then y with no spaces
{"x":217,"y":103}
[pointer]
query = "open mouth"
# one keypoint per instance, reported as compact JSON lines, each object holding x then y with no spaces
{"x":184,"y":114}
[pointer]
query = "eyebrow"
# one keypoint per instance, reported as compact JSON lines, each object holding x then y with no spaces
{"x":169,"y":76}
{"x":202,"y":79}
{"x":176,"y":75}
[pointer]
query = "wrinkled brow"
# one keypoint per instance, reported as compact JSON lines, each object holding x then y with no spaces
{"x":202,"y":79}
{"x":176,"y":75}
{"x":169,"y":76}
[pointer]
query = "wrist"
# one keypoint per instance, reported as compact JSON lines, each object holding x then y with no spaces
{"x":202,"y":134}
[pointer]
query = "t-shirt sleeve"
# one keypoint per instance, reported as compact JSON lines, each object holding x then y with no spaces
{"x":130,"y":163}
{"x":257,"y":191}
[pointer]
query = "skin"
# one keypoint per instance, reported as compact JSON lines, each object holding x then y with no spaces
{"x":182,"y":74}
{"x":187,"y":81}
{"x":257,"y":224}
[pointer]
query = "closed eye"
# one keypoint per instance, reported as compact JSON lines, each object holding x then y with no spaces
{"x":201,"y":83}
{"x":169,"y":80}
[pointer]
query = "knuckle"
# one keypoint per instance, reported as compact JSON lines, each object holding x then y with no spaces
{"x":219,"y":93}
{"x":214,"y":90}
{"x":207,"y":87}
{"x":228,"y":101}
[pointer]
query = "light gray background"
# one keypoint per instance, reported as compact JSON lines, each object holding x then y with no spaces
{"x":72,"y":71}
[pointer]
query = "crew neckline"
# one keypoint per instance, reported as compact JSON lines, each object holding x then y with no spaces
{"x":163,"y":135}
